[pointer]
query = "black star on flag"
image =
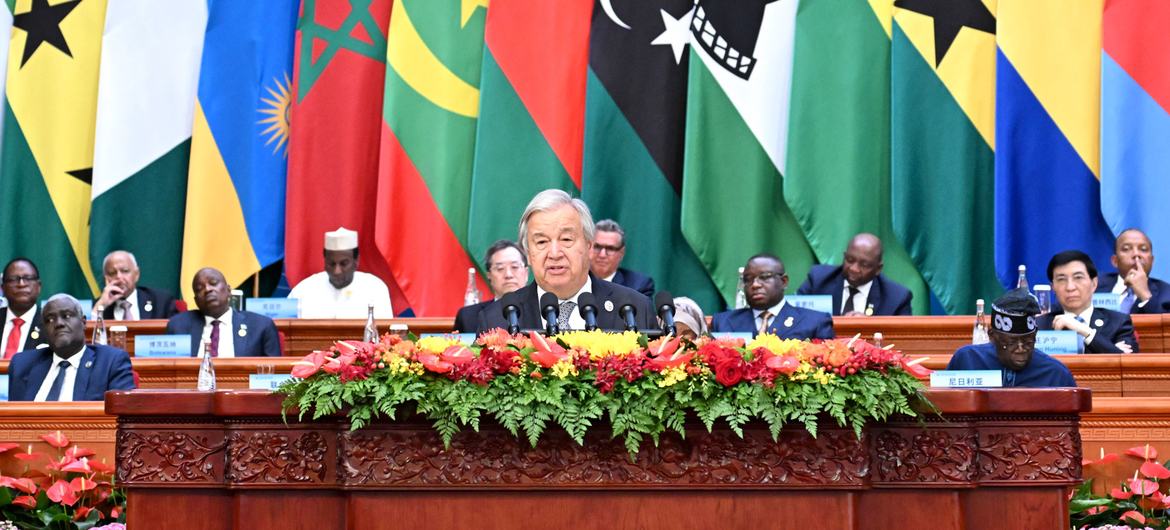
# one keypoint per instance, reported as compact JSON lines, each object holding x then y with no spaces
{"x":42,"y":23}
{"x":85,"y":175}
{"x":949,"y":17}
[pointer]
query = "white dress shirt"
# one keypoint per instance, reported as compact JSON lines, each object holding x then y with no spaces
{"x":858,"y":300}
{"x":1119,"y":289}
{"x":227,"y":339}
{"x":1086,"y":317}
{"x":320,"y":299}
{"x":25,"y":328}
{"x":576,"y":321}
{"x":70,"y":377}
{"x":773,"y":312}
{"x":120,"y":314}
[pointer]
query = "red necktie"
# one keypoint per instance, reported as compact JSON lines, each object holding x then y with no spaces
{"x":13,"y":345}
{"x":215,"y":338}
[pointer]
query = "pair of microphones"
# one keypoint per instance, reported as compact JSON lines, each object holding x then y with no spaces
{"x":587,"y":306}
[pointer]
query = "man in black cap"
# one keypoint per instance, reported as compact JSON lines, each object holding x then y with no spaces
{"x":1013,"y":347}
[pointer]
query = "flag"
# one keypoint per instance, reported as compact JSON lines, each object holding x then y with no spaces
{"x":46,"y":161}
{"x":837,"y":178}
{"x":736,"y":139}
{"x":434,"y":53}
{"x":943,"y":145}
{"x":239,"y":143}
{"x":531,"y":111}
{"x":1048,"y":92}
{"x":5,"y":33}
{"x":146,"y":98}
{"x":336,"y":124}
{"x":635,"y":113}
{"x":1135,"y":119}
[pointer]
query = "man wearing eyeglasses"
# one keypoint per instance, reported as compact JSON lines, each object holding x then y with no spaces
{"x":22,"y":317}
{"x":507,"y":271}
{"x":606,"y":257}
{"x":764,"y":282}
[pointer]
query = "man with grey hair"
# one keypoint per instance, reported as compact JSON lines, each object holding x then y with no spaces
{"x":609,"y":248}
{"x":123,"y":298}
{"x":68,"y":369}
{"x":557,"y":233}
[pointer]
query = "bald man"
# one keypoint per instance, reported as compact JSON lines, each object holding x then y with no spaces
{"x":1133,"y":256}
{"x":857,"y":285}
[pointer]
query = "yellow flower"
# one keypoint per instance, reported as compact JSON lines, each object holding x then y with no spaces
{"x":564,"y":369}
{"x":823,"y":377}
{"x":436,"y":344}
{"x":601,"y":344}
{"x":672,"y":376}
{"x":776,"y":345}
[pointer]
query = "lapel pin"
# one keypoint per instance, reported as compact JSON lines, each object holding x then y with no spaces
{"x":148,"y":307}
{"x":1098,"y":322}
{"x":243,"y":330}
{"x":89,"y":364}
{"x":788,"y":322}
{"x":609,"y":305}
{"x":35,"y":333}
{"x":869,"y":310}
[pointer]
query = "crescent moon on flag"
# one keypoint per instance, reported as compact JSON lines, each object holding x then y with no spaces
{"x":607,"y":5}
{"x":409,"y":55}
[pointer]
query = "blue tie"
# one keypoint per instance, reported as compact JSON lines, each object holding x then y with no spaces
{"x":55,"y":390}
{"x":1009,"y":378}
{"x":1127,"y":301}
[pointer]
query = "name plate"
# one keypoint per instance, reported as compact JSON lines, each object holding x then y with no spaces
{"x":464,"y":338}
{"x":162,"y":346}
{"x":732,"y":335}
{"x":816,"y":302}
{"x":1062,"y":342}
{"x":275,"y":307}
{"x":266,"y":381}
{"x":966,"y":379}
{"x":4,"y":387}
{"x":1108,"y":301}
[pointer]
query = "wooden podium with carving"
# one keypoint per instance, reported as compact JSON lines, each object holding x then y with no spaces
{"x":995,"y":459}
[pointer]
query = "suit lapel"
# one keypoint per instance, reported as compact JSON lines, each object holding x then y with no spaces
{"x":199,"y":322}
{"x":603,"y":292}
{"x":36,"y":375}
{"x":838,"y":291}
{"x":144,"y":300}
{"x":239,"y":341}
{"x":34,"y":331}
{"x":875,"y":295}
{"x":531,"y":319}
{"x":781,"y":322}
{"x":84,"y":372}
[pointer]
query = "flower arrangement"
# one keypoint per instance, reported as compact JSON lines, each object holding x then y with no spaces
{"x":1139,"y":503}
{"x":573,"y":379}
{"x":69,"y":492}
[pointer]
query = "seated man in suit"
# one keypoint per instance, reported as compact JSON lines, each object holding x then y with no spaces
{"x":123,"y":298}
{"x":67,"y":370}
{"x":342,"y":291}
{"x":1133,"y":257}
{"x":1074,"y":278}
{"x":507,"y":271}
{"x":764,"y":280}
{"x":22,"y":317}
{"x":556,"y":231}
{"x":1013,"y":347}
{"x":858,"y":285}
{"x":227,"y":332}
{"x":606,"y":258}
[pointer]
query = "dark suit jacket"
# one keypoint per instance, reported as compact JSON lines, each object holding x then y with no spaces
{"x":102,"y":368}
{"x":467,"y":319}
{"x":30,"y":342}
{"x":806,"y":323}
{"x":1115,"y":327}
{"x":885,"y":295}
{"x":635,"y":280}
{"x":492,"y":315}
{"x":1159,"y":291}
{"x":260,"y":337}
{"x":161,"y":303}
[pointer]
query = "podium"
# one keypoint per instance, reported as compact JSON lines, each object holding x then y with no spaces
{"x":994,"y":459}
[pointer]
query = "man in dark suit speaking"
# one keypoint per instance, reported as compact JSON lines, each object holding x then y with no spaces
{"x":228,"y":333}
{"x":67,"y":370}
{"x":765,"y":280}
{"x":858,"y":285}
{"x":557,"y":233}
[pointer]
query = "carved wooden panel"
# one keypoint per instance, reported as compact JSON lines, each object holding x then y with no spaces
{"x":916,"y":456}
{"x":1035,"y":454}
{"x":172,"y":457}
{"x":284,"y":457}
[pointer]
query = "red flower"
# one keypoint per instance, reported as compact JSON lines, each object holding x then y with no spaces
{"x":1155,"y":470}
{"x":457,"y":354}
{"x":8,"y":447}
{"x":61,"y":492}
{"x":78,"y":466}
{"x":309,"y":364}
{"x":55,"y":439}
{"x":1134,"y":516}
{"x":784,"y":364}
{"x":23,"y":484}
{"x":1120,"y":494}
{"x":432,"y":363}
{"x":667,"y":355}
{"x":78,"y":452}
{"x":1142,"y":486}
{"x":28,"y":455}
{"x":27,"y":501}
{"x":101,"y":467}
{"x":82,"y":484}
{"x":546,"y":353}
{"x":914,"y":367}
{"x":1143,"y":451}
{"x":729,"y":369}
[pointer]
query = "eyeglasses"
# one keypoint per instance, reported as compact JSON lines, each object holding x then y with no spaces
{"x":598,"y":248}
{"x":13,"y":280}
{"x":500,"y":268}
{"x":762,"y":277}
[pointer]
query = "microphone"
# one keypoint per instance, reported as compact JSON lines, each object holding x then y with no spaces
{"x":665,"y":304}
{"x":511,"y":313}
{"x":549,"y":304}
{"x":587,"y":305}
{"x":628,"y":312}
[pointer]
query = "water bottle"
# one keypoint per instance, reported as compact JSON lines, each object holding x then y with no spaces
{"x":1022,"y":279}
{"x":99,"y":329}
{"x":371,"y":331}
{"x":740,"y":297}
{"x":206,"y":369}
{"x":471,"y":295}
{"x":979,"y":333}
{"x":1043,"y":294}
{"x":877,"y":339}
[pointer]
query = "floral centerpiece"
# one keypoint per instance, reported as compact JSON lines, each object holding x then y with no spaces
{"x":1141,"y":502}
{"x":68,"y":492}
{"x":573,"y":379}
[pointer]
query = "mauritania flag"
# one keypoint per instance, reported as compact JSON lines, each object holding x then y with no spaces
{"x":239,"y":142}
{"x":635,"y":113}
{"x":737,"y":138}
{"x":531,"y":111}
{"x":1135,"y":119}
{"x":837,"y":178}
{"x":434,"y":52}
{"x":46,"y":163}
{"x":943,"y":145}
{"x":1048,"y":92}
{"x":146,"y":96}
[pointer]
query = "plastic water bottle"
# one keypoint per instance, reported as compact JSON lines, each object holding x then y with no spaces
{"x":877,"y":339}
{"x":371,"y":332}
{"x":206,"y":369}
{"x":99,"y":329}
{"x":740,"y":297}
{"x":979,"y":333}
{"x":1022,"y":279}
{"x":471,"y":295}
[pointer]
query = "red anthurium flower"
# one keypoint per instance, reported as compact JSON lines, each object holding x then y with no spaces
{"x":667,"y":355}
{"x":662,"y":347}
{"x":1133,"y":515}
{"x":1095,"y":510}
{"x":81,"y":512}
{"x":27,"y":501}
{"x":115,"y":512}
{"x":78,"y":466}
{"x":309,"y":364}
{"x":1120,"y":494}
{"x":348,"y":346}
{"x":61,"y":492}
{"x":334,"y":365}
{"x":27,"y":455}
{"x":82,"y":484}
{"x":8,"y":447}
{"x":23,"y":484}
{"x":1142,"y":486}
{"x":914,"y":367}
{"x":457,"y":355}
{"x":1105,"y":459}
{"x":100,"y":467}
{"x":1155,"y":470}
{"x":78,"y":452}
{"x":1143,"y":451}
{"x":432,"y":363}
{"x":547,"y":352}
{"x":56,"y":439}
{"x":784,"y":364}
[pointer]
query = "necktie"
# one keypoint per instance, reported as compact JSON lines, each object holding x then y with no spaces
{"x":215,"y":338}
{"x":13,"y":344}
{"x":1081,"y":320}
{"x":563,"y":315}
{"x":55,"y":390}
{"x":1009,"y":378}
{"x":1127,"y":301}
{"x":764,"y":318}
{"x":127,"y":310}
{"x":848,"y":306}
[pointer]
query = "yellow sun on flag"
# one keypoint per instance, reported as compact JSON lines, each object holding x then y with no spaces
{"x":276,"y":112}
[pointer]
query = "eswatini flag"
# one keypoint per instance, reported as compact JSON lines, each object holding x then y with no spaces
{"x":428,"y":140}
{"x":1135,"y":118}
{"x":531,"y":111}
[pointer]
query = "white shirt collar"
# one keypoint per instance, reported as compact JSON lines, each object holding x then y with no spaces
{"x":1085,"y":315}
{"x":774,"y":310}
{"x":862,"y":292}
{"x":1120,"y":286}
{"x":226,"y":318}
{"x":576,"y":321}
{"x":26,"y":317}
